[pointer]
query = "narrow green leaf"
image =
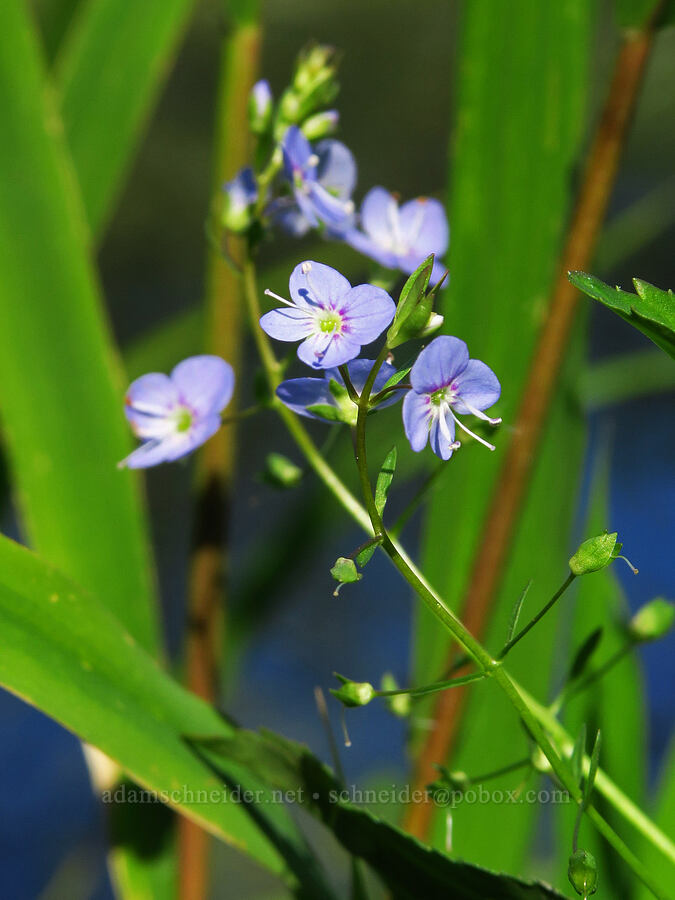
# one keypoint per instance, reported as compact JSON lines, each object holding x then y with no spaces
{"x":516,"y":142}
{"x":576,"y":762}
{"x":61,"y":395}
{"x":411,"y":295}
{"x":406,"y":867}
{"x":583,"y":655}
{"x":64,"y":653}
{"x":593,"y":770}
{"x":385,"y":478}
{"x":396,"y":378}
{"x":365,"y":555}
{"x":108,"y":73}
{"x":515,"y":615}
{"x":652,"y":311}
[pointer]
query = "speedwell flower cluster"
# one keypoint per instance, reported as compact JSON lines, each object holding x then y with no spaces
{"x":310,"y":177}
{"x":333,"y":320}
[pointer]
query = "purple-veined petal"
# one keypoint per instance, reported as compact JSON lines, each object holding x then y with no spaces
{"x":299,"y":393}
{"x":477,"y":386}
{"x":380,"y":219}
{"x":417,"y":417}
{"x":205,"y":383}
{"x":336,"y":170}
{"x":424,"y":227}
{"x":438,"y":364}
{"x":154,"y":394}
{"x":287,"y":323}
{"x":296,"y":151}
{"x":315,"y":286}
{"x":442,"y":436}
{"x":367,"y":310}
{"x":325,"y":350}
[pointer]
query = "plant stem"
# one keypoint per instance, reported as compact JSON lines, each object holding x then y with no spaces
{"x":435,"y":687}
{"x":532,"y":714}
{"x":518,"y":464}
{"x":542,"y":612}
{"x":206,"y":590}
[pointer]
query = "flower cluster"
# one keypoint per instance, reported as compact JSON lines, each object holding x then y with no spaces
{"x":309,"y":179}
{"x":307,"y":183}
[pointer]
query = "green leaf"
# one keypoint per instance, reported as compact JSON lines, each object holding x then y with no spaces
{"x":652,"y":311}
{"x":64,"y":653}
{"x":583,"y":655}
{"x":589,"y":783}
{"x":411,"y":297}
{"x":635,"y":13}
{"x":515,"y":147}
{"x":577,"y":759}
{"x":664,"y":816}
{"x":406,"y":867}
{"x":364,"y":556}
{"x":61,"y":394}
{"x":515,"y":615}
{"x":385,"y":478}
{"x":108,"y":73}
{"x":396,"y":378}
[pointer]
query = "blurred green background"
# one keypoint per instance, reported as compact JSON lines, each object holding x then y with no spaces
{"x":398,"y":115}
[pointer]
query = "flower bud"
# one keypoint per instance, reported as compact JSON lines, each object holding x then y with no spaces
{"x":260,"y":107}
{"x":321,"y":124}
{"x":594,"y":554}
{"x":583,"y":873}
{"x":652,"y":621}
{"x":433,"y":324}
{"x":241,"y":195}
{"x":311,"y":64}
{"x":399,"y":704}
{"x":353,"y":693}
{"x":280,"y":471}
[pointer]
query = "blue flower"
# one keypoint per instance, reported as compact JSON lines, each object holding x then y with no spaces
{"x":174,"y":414}
{"x":401,"y":238}
{"x":301,"y":394}
{"x":241,"y":195}
{"x":444,"y":382}
{"x":331,"y":318}
{"x":260,"y":106}
{"x":322,"y":180}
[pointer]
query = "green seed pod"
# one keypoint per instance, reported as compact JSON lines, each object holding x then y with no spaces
{"x":594,"y":554}
{"x":353,"y":693}
{"x":583,"y":873}
{"x":652,"y":621}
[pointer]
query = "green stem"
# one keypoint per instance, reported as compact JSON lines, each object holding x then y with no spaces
{"x":542,"y":612}
{"x":435,"y":687}
{"x":603,"y":784}
{"x":532,"y":714}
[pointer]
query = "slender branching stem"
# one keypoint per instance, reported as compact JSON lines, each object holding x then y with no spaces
{"x":536,"y":718}
{"x":542,"y":612}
